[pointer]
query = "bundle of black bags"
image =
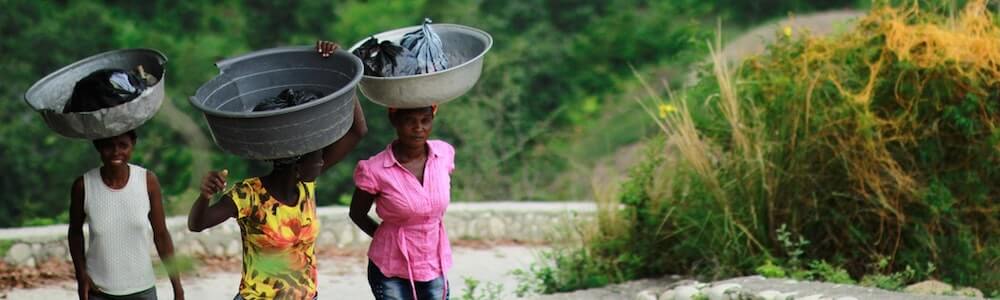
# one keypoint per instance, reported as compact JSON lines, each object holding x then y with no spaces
{"x":419,"y":52}
{"x":107,"y":88}
{"x":287,"y":98}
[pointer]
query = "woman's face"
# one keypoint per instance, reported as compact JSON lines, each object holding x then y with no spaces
{"x":115,"y":150}
{"x":413,"y":127}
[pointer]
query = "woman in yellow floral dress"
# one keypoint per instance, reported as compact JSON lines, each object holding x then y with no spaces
{"x":277,"y":216}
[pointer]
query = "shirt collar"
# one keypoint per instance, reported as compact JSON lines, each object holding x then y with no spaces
{"x":391,"y":158}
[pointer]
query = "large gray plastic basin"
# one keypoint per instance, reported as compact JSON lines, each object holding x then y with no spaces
{"x":49,"y":95}
{"x":228,"y":100}
{"x":464,"y":46}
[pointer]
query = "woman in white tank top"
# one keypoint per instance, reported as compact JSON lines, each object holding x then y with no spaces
{"x":121,"y":204}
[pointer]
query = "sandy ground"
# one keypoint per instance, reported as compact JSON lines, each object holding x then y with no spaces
{"x":340,"y":277}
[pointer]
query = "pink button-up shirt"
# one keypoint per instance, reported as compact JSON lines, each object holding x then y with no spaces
{"x":411,"y":241}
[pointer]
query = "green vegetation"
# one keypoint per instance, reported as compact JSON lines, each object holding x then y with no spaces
{"x":181,"y":264}
{"x":476,"y":290}
{"x":869,"y":155}
{"x":5,"y":246}
{"x":533,"y":86}
{"x":554,"y":67}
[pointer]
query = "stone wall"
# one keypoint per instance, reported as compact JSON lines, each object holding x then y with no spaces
{"x":520,"y":221}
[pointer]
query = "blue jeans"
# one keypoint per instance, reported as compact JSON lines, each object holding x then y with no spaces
{"x":149,"y":294}
{"x":396,"y":288}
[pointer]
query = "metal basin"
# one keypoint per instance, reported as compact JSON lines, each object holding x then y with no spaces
{"x":49,"y":95}
{"x":228,"y":100}
{"x":465,"y":48}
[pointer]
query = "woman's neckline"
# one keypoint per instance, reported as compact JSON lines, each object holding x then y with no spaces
{"x":128,"y":177}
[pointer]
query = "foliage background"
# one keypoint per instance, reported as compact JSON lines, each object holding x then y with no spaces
{"x":555,"y":67}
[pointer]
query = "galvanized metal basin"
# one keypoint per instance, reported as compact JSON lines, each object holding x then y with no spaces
{"x":245,"y":81}
{"x":465,"y":48}
{"x":49,"y":95}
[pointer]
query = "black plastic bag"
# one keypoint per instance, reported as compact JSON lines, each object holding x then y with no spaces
{"x":426,"y":48}
{"x":366,"y":52}
{"x":104,"y":88}
{"x":287,"y":98}
{"x":385,"y":59}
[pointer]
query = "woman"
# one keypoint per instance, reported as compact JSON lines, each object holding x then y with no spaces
{"x":120,"y":202}
{"x":410,"y":181}
{"x":277,"y":216}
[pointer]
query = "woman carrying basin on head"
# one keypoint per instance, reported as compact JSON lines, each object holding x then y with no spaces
{"x":277,"y":216}
{"x":121,"y":204}
{"x":410,"y":183}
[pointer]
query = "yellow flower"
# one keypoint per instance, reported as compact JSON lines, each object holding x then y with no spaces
{"x":788,"y":31}
{"x":666,"y":109}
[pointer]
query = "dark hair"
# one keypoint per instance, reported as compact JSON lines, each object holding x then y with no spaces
{"x":131,"y":134}
{"x":285,"y":162}
{"x":394,"y":112}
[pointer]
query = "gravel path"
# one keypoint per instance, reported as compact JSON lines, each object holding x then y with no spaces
{"x":641,"y":289}
{"x":339,"y":278}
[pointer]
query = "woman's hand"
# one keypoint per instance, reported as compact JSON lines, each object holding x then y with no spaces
{"x":203,"y":216}
{"x":213,"y":183}
{"x":326,"y":48}
{"x":178,"y":293}
{"x":83,"y":286}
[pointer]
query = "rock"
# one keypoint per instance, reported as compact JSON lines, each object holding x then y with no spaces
{"x":18,"y":254}
{"x":810,"y":297}
{"x":496,"y":227}
{"x":30,"y":262}
{"x":55,"y":251}
{"x":346,"y":236}
{"x":668,"y":295}
{"x":970,"y":292}
{"x":645,"y":295}
{"x":769,"y":294}
{"x":776,"y":295}
{"x":725,"y":291}
{"x":177,"y":236}
{"x":929,"y":287}
{"x":195,"y":248}
{"x":364,"y":238}
{"x":481,"y":227}
{"x":847,"y":298}
{"x":234,"y":248}
{"x":326,"y":239}
{"x":687,"y":292}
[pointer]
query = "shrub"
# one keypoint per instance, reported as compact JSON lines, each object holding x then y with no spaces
{"x":879,"y":146}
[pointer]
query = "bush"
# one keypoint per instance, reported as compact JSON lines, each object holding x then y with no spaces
{"x":879,"y":146}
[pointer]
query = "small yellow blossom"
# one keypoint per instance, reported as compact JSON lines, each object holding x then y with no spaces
{"x":788,"y":31}
{"x":666,"y":109}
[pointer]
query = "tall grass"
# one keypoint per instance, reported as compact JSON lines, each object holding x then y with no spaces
{"x":880,"y":145}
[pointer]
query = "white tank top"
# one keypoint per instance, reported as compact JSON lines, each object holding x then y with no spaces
{"x":118,"y":252}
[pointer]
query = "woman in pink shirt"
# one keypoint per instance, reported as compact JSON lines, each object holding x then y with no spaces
{"x":410,"y":181}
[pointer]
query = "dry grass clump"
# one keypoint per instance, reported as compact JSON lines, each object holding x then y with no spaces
{"x":877,"y":144}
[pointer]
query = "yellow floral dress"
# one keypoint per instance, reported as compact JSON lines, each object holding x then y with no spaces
{"x":278,"y":255}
